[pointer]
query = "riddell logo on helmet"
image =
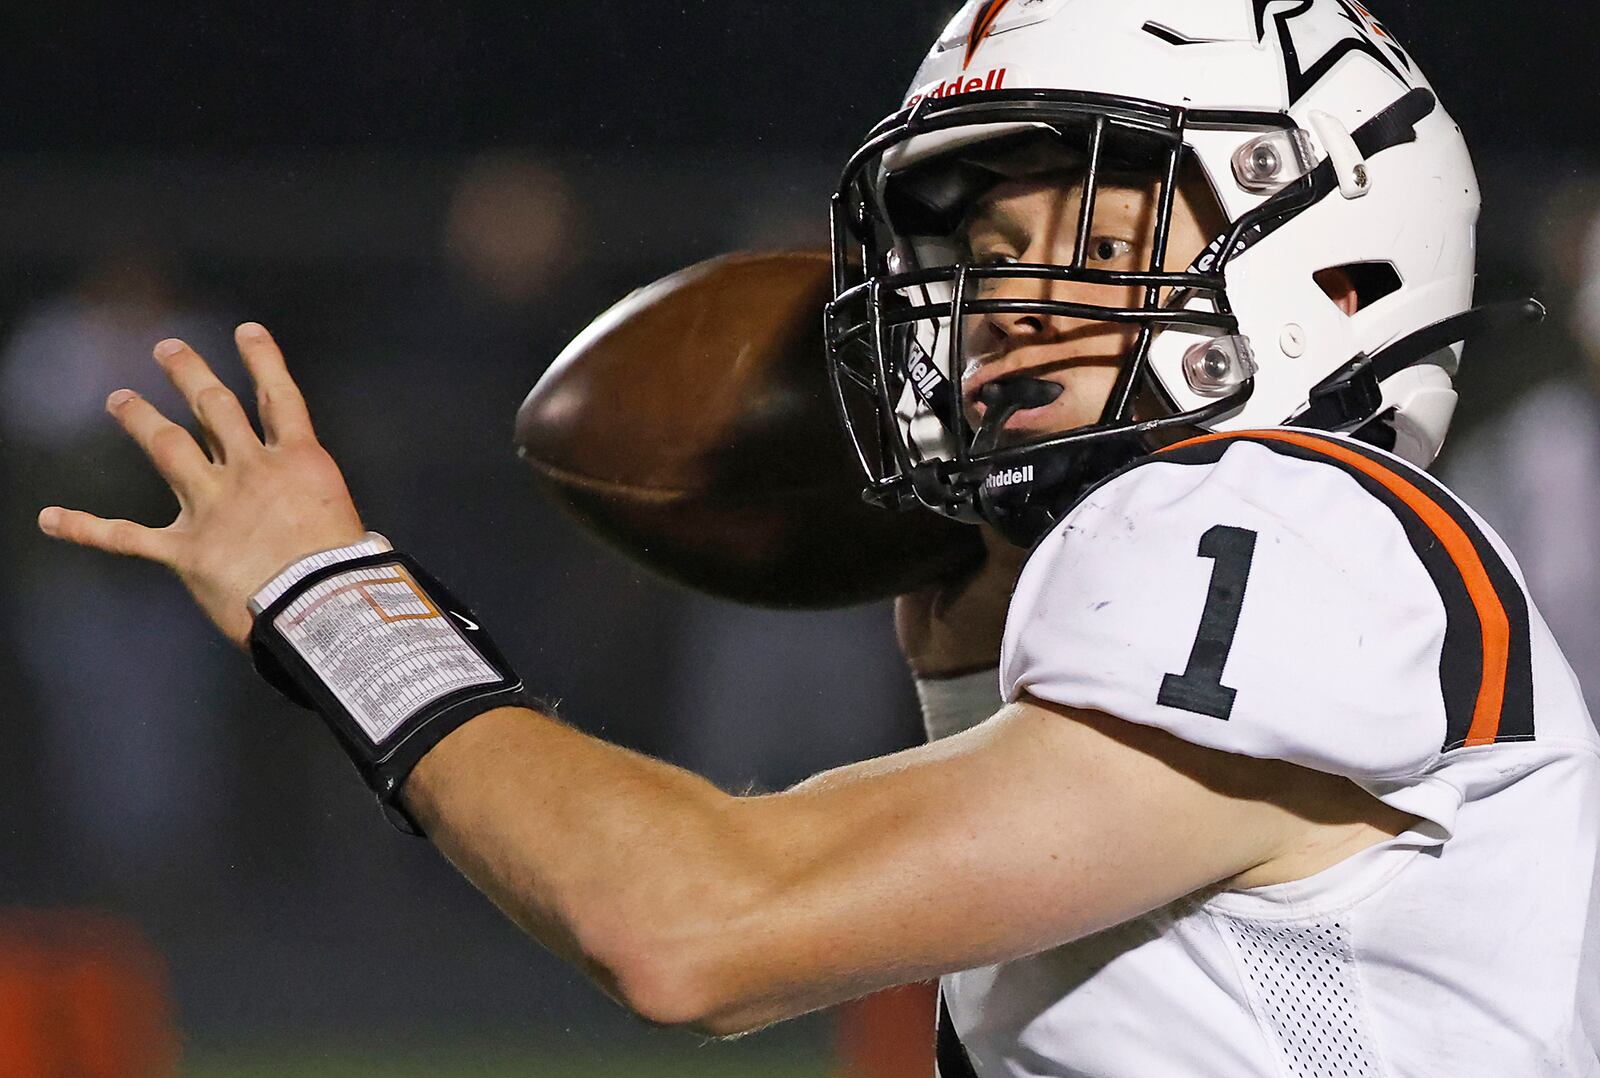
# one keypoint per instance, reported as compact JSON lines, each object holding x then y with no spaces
{"x":925,"y":376}
{"x":1010,"y":477}
{"x":993,"y":79}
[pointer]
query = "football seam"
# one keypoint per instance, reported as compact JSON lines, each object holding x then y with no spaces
{"x":656,"y":495}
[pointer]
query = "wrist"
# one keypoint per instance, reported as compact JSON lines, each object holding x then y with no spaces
{"x":297,"y":571}
{"x":390,"y":659}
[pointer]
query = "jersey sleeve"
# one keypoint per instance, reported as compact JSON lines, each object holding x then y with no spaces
{"x":1316,"y":603}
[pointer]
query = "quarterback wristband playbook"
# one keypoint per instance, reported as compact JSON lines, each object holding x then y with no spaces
{"x":390,"y":659}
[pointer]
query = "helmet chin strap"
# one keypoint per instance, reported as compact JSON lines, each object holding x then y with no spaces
{"x":1352,"y":395}
{"x":1004,"y":399}
{"x":1023,"y":508}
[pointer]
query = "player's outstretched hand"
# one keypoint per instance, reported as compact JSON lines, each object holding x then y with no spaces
{"x":248,"y":506}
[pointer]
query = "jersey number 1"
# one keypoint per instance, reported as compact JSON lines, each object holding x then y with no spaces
{"x":1200,"y":688}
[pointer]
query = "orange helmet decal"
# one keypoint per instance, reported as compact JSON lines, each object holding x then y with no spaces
{"x":982,"y":26}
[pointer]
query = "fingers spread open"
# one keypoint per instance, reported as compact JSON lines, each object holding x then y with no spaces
{"x":114,"y":536}
{"x":283,"y":410}
{"x":170,"y":448}
{"x":227,"y":428}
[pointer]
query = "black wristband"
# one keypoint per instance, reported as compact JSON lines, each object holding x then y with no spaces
{"x":352,"y":640}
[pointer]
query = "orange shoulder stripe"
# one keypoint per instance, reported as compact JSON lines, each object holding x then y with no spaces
{"x":1494,"y":625}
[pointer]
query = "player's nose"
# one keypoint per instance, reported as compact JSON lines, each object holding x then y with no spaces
{"x":1031,"y":324}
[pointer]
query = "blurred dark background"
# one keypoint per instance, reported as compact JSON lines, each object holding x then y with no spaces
{"x":425,"y":202}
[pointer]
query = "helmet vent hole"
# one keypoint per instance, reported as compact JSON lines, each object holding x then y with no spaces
{"x":1355,"y":286}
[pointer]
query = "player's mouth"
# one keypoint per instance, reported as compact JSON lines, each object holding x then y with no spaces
{"x":1038,"y":409}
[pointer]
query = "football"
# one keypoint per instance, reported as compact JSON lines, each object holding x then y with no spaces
{"x":691,"y":426}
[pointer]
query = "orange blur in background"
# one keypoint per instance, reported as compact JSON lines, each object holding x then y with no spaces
{"x":82,"y":995}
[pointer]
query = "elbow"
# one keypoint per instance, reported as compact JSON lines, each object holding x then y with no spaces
{"x":694,"y":950}
{"x":679,"y":996}
{"x":693,"y":988}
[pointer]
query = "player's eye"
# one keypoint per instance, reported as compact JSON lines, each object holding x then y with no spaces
{"x":1108,"y":248}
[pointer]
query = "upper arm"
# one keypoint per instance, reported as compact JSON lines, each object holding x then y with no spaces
{"x":1038,"y":827}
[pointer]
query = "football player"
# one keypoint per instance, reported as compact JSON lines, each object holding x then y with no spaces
{"x":1280,"y":772}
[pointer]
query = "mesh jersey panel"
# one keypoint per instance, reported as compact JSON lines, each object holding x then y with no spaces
{"x":1304,"y":979}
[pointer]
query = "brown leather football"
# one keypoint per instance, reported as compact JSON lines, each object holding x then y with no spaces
{"x":692,"y":427}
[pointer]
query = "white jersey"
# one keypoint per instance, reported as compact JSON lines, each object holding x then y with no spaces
{"x":1290,"y":595}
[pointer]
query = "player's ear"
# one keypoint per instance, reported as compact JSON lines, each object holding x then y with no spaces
{"x":1336,"y":282}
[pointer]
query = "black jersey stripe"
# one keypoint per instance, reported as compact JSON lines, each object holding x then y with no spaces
{"x":1470,"y":680}
{"x":1516,"y":710}
{"x":949,"y":1053}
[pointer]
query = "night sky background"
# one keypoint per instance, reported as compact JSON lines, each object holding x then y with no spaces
{"x":607,"y":77}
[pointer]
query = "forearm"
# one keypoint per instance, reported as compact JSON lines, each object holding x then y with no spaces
{"x":725,"y":913}
{"x":625,"y":866}
{"x":690,"y":906}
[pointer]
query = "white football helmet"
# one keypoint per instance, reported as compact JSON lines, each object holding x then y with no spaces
{"x":1324,"y":147}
